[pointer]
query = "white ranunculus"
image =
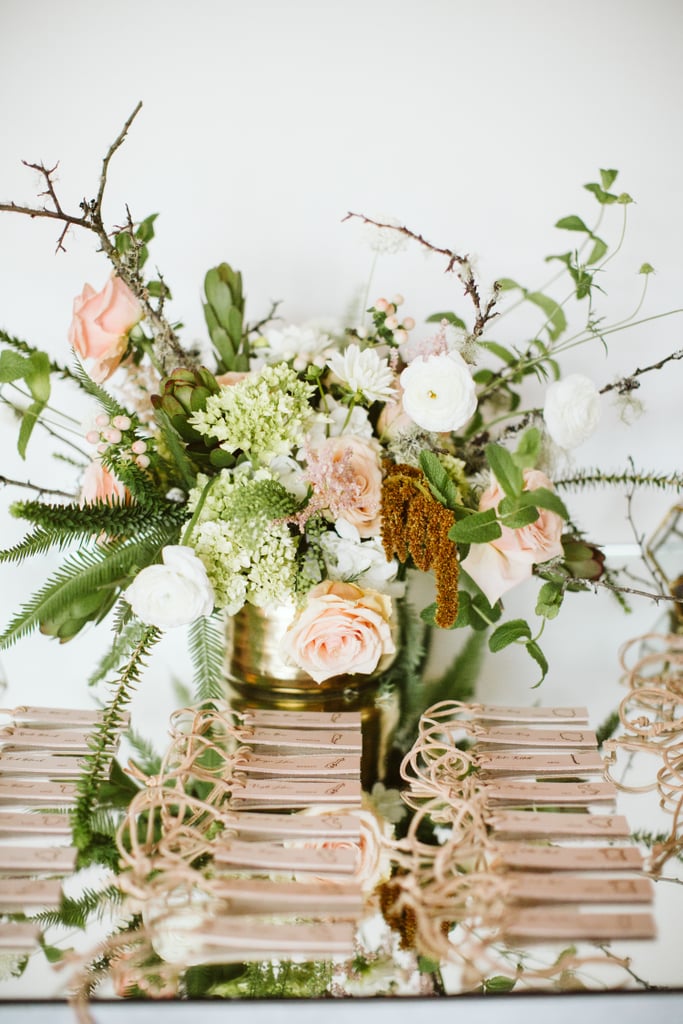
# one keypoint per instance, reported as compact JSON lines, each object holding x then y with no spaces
{"x":173,"y":594}
{"x":353,"y":560}
{"x":572,"y":410}
{"x":438,"y":392}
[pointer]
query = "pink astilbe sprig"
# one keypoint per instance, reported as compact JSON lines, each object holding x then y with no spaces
{"x":435,"y":345}
{"x":334,"y":485}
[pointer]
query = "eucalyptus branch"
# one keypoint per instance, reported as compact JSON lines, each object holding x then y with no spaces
{"x":7,"y":482}
{"x":629,"y":383}
{"x":169,"y":349}
{"x":483,"y":312}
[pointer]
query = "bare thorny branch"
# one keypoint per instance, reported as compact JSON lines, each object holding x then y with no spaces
{"x":629,"y":383}
{"x":483,"y":312}
{"x":168,"y":348}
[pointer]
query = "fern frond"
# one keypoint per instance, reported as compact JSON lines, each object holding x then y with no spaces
{"x":96,"y":765}
{"x":125,"y":640}
{"x":598,"y":478}
{"x":207,"y":650}
{"x":101,"y":396}
{"x":83,"y":573}
{"x":76,"y":912}
{"x":147,"y":759}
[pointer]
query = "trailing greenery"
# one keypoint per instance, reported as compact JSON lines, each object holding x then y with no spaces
{"x":97,"y":764}
{"x":127,"y":635}
{"x":207,"y":650}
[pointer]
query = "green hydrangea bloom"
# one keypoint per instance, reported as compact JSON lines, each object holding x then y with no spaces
{"x":263,"y":416}
{"x":250,"y":554}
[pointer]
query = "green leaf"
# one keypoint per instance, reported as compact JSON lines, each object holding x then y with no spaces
{"x":441,"y":485}
{"x":479,"y":528}
{"x":528,"y":449}
{"x":598,"y":251}
{"x":553,"y":312}
{"x":498,"y":983}
{"x":572,"y":223}
{"x":515,"y":514}
{"x":549,"y":600}
{"x":508,"y":357}
{"x":123,"y":242}
{"x":453,"y":319}
{"x":38,"y":376}
{"x":535,"y":652}
{"x":12,"y":366}
{"x":509,"y":633}
{"x":145,"y":230}
{"x":545,"y":498}
{"x":426,"y":965}
{"x":608,"y":177}
{"x":506,"y":284}
{"x":646,"y":268}
{"x":624,"y":198}
{"x":603,"y":197}
{"x":506,"y":471}
{"x":28,"y":422}
{"x":158,"y":290}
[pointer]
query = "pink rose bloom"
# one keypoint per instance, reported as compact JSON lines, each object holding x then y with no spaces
{"x":99,"y":484}
{"x":393,"y":418}
{"x":343,"y":629}
{"x":231,"y":377}
{"x":101,"y":324}
{"x":346,"y":474}
{"x":507,"y":561}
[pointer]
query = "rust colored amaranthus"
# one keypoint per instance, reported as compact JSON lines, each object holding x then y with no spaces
{"x":416,"y":524}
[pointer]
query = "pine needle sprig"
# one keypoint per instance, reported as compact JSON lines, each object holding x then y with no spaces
{"x":61,"y":525}
{"x":207,"y":650}
{"x":103,"y":741}
{"x":85,"y":572}
{"x":598,"y":478}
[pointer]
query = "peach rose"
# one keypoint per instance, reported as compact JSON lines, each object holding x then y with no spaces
{"x":507,"y":561}
{"x":101,"y":324}
{"x":355,"y":462}
{"x":342,"y":629}
{"x":100,"y":484}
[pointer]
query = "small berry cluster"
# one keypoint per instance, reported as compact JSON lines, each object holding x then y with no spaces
{"x":387,"y":322}
{"x":111,"y":432}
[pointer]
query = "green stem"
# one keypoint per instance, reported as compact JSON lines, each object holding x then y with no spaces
{"x":198,"y":509}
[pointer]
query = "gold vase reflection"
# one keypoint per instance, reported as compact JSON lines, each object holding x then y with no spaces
{"x":259,"y":677}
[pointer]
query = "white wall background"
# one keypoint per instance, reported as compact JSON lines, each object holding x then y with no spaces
{"x":263,"y":123}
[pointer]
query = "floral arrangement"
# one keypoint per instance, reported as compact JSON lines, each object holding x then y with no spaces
{"x":309,"y":466}
{"x":304,"y":465}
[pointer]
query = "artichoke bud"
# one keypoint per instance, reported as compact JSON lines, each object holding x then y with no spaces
{"x":183,"y":393}
{"x":584,"y":560}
